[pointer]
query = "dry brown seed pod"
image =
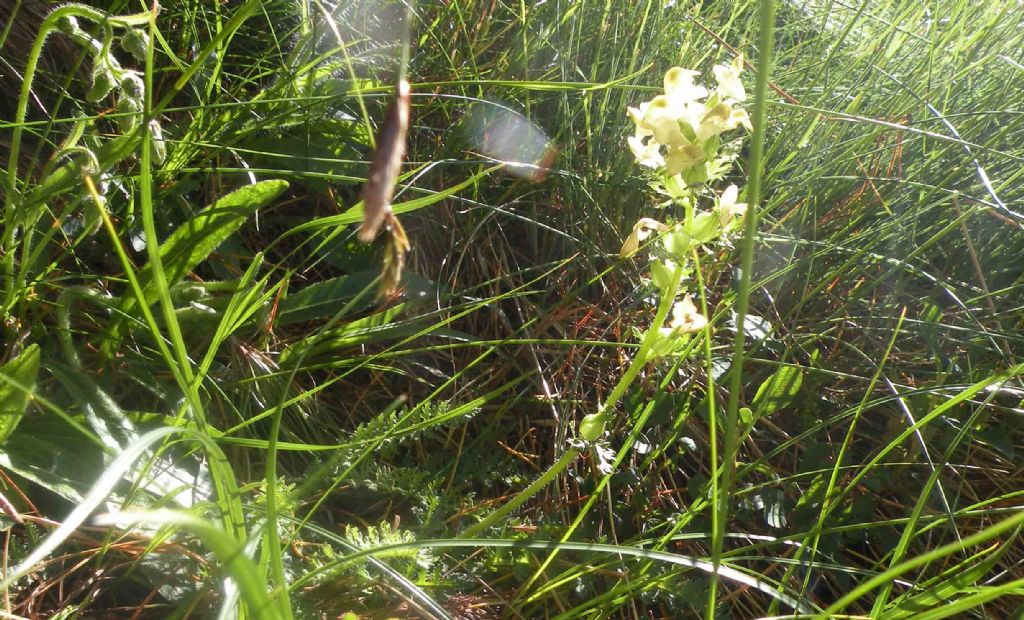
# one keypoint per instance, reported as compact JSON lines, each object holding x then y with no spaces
{"x":387,"y":161}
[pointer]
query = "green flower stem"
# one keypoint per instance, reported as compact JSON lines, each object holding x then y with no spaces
{"x":765,"y":46}
{"x":668,"y":295}
{"x":546,"y":478}
{"x":11,"y":193}
{"x":709,"y":611}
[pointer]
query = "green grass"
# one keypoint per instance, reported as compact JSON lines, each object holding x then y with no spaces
{"x":266,"y":437}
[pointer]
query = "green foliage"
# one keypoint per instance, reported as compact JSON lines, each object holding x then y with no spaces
{"x":384,"y":535}
{"x":194,"y":240}
{"x":19,"y":381}
{"x":778,"y":391}
{"x":337,"y":453}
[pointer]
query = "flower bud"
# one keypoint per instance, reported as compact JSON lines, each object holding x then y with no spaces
{"x":132,"y":85}
{"x":156,"y":136}
{"x":592,"y":426}
{"x":129,"y":114}
{"x":69,"y":25}
{"x":103,"y":82}
{"x":135,"y":42}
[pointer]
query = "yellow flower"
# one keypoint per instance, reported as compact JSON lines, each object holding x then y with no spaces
{"x":722,"y":117}
{"x":683,"y":158}
{"x":737,"y":118}
{"x":647,"y":154}
{"x":685,"y":318}
{"x":728,"y":77}
{"x":714,"y":121}
{"x":641,"y":230}
{"x":637,"y":114}
{"x":728,"y":208}
{"x":679,"y":86}
{"x":662,"y":120}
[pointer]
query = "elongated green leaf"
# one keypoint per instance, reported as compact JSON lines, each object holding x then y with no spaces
{"x":957,"y":581}
{"x":376,"y":328}
{"x":778,"y":391}
{"x":14,"y":394}
{"x":196,"y":239}
{"x":104,"y":415}
{"x":322,"y":300}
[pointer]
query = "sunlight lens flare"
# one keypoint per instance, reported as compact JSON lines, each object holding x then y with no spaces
{"x":370,"y":31}
{"x":509,"y":137}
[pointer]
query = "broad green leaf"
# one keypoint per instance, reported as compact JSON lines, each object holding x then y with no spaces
{"x":195,"y":240}
{"x":102,"y":413}
{"x":21,"y":374}
{"x":50,"y":452}
{"x":324,"y":299}
{"x":778,"y":391}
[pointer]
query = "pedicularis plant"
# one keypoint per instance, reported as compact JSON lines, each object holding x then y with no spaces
{"x":682,"y":136}
{"x":679,"y":136}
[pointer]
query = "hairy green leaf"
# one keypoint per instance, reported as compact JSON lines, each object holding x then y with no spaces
{"x":20,"y":379}
{"x":194,"y":240}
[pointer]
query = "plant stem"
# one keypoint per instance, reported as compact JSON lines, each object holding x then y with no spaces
{"x":766,"y":43}
{"x":12,"y":215}
{"x":546,"y":478}
{"x":639,"y":361}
